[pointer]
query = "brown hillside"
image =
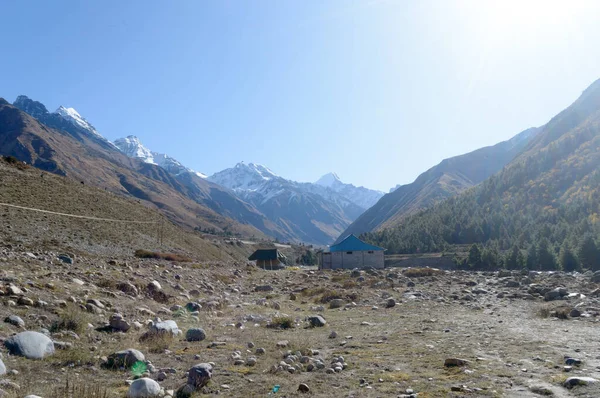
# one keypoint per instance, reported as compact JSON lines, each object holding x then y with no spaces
{"x":95,"y":163}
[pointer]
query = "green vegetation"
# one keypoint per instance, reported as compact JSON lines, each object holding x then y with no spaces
{"x":542,"y":212}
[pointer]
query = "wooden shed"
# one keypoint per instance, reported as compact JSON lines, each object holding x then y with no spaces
{"x":268,"y":258}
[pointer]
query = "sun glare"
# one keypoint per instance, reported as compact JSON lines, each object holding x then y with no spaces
{"x":511,"y":21}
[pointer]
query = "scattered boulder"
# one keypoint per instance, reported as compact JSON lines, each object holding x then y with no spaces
{"x":303,"y":388}
{"x":455,"y":362}
{"x":124,"y":359}
{"x":128,"y":288}
{"x":117,"y":323}
{"x":199,"y":375}
{"x":390,"y":303}
{"x":195,"y":334}
{"x":164,"y":327}
{"x":579,"y":381}
{"x":31,"y":345}
{"x":15,"y":321}
{"x":2,"y":368}
{"x":336,"y":303}
{"x":316,"y":321}
{"x":193,"y":307}
{"x":65,"y":258}
{"x":556,"y":294}
{"x":144,"y":388}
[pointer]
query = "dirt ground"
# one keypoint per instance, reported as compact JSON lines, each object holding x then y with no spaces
{"x":513,"y":341}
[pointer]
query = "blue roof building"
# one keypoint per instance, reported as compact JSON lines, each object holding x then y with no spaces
{"x":352,"y":243}
{"x":352,"y":253}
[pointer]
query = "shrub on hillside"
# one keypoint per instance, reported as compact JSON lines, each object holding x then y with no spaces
{"x":162,"y":256}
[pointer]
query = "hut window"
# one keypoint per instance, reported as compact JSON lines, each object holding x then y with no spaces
{"x":348,"y":252}
{"x":371,"y":252}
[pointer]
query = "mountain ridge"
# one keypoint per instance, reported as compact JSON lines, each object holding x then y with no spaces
{"x":547,"y":198}
{"x":448,"y":178}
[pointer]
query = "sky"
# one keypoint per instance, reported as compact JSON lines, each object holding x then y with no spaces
{"x":376,"y":91}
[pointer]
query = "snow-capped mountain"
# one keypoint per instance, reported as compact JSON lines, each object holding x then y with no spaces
{"x":72,"y":116}
{"x":308,"y":212}
{"x":66,"y":119}
{"x":245,"y":177}
{"x":133,"y":147}
{"x":360,"y":196}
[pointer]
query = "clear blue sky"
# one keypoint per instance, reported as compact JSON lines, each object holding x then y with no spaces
{"x":377,"y":91}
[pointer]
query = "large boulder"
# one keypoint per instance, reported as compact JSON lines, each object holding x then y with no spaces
{"x":199,"y":375}
{"x":125,"y":358}
{"x":165,"y":327}
{"x":31,"y":345}
{"x":2,"y":368}
{"x":144,"y":388}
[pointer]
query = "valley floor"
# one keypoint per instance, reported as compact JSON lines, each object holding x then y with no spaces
{"x":511,"y":341}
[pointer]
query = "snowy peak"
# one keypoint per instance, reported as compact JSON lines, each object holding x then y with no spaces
{"x":65,"y":119}
{"x":133,"y":147}
{"x":244,"y":176}
{"x":72,"y":116}
{"x":254,"y":179}
{"x":328,"y":180}
{"x":257,"y":169}
{"x":360,"y":196}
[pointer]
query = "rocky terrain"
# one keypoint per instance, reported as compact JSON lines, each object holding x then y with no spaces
{"x":99,"y":326}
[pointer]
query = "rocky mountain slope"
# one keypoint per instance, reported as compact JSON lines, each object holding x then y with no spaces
{"x":360,"y":196}
{"x":69,"y":146}
{"x":449,"y":178}
{"x":548,"y":197}
{"x":310,"y":212}
{"x":133,"y":147}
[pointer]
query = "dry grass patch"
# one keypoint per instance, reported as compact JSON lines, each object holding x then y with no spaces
{"x":157,"y":343}
{"x":560,"y":312}
{"x":72,"y":318}
{"x":281,"y":322}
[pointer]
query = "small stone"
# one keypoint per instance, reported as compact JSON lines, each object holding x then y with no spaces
{"x":455,"y":362}
{"x":303,"y":388}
